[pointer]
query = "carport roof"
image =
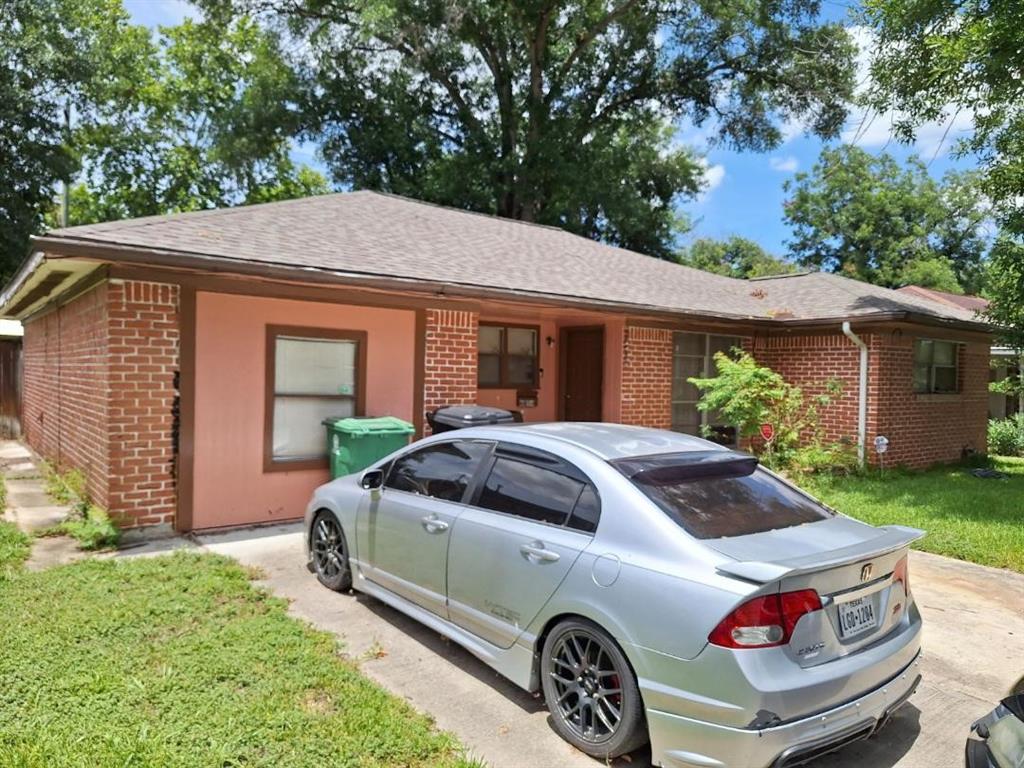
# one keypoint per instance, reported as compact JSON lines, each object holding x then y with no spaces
{"x":356,"y":237}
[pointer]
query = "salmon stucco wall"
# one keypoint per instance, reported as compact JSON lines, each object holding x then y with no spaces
{"x":230,"y":486}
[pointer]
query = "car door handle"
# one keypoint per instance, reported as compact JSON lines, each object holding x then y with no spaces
{"x":536,"y":552}
{"x":432,"y":524}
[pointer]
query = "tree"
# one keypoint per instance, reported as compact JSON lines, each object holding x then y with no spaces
{"x":558,"y":112}
{"x":936,"y":61}
{"x":204,"y":118}
{"x":52,"y":53}
{"x":204,"y":115}
{"x":1005,"y":290}
{"x":869,"y":218}
{"x":735,"y":257}
{"x":934,"y":273}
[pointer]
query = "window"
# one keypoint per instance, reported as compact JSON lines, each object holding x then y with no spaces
{"x":508,"y":356}
{"x":935,"y":367}
{"x":710,"y":507}
{"x":693,"y":356}
{"x":312,"y":374}
{"x":540,"y":487}
{"x":441,"y":471}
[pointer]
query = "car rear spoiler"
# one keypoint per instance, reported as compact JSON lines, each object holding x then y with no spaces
{"x":893,"y":537}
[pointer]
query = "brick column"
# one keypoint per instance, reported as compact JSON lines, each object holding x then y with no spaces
{"x":450,"y":359}
{"x":143,"y":358}
{"x":647,"y":377}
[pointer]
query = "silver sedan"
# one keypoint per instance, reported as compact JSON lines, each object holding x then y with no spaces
{"x":653,"y":586}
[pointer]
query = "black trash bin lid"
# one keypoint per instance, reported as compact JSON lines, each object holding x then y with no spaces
{"x":471,"y":415}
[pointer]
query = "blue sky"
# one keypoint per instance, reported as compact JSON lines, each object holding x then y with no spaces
{"x":744,"y":194}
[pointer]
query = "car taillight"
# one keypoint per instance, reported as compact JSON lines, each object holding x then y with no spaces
{"x":765,"y":621}
{"x":901,"y":573}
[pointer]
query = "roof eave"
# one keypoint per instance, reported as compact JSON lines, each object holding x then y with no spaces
{"x":72,"y":247}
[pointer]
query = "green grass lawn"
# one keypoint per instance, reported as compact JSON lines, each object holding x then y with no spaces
{"x":14,"y":549}
{"x":179,"y":661}
{"x":965,"y":517}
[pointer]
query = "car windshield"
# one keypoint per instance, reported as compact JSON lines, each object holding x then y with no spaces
{"x":721,"y":494}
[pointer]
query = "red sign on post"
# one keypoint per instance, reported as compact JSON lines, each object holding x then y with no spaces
{"x":768,"y":432}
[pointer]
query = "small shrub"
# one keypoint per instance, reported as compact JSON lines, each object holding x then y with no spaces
{"x":748,"y":395}
{"x":1006,"y":436}
{"x":93,"y":530}
{"x":820,"y":458}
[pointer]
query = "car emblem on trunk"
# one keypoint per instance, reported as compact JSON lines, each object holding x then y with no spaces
{"x":866,"y":571}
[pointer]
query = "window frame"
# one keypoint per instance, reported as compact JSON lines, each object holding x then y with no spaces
{"x":707,"y":371}
{"x":273,"y":332}
{"x":503,"y":382}
{"x":471,"y":486}
{"x":931,"y":390}
{"x":537,"y":457}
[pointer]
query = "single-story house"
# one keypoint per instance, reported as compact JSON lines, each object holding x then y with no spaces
{"x":184,"y":363}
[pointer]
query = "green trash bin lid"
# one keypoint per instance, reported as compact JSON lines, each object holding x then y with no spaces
{"x":372,"y":425}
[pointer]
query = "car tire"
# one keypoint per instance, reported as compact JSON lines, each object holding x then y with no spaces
{"x":329,"y":552}
{"x":586,"y":680}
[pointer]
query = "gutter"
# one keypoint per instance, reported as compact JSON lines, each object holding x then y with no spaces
{"x":862,"y":400}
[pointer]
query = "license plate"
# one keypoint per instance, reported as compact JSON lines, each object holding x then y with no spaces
{"x":856,"y":616}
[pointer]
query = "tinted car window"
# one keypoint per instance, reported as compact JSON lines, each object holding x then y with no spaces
{"x":539,"y":486}
{"x":712,"y":507}
{"x":586,"y":512}
{"x":442,"y":471}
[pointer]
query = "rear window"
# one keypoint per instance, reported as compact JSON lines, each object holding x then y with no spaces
{"x":734,"y":501}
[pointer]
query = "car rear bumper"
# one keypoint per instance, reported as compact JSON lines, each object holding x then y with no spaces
{"x":682,"y":742}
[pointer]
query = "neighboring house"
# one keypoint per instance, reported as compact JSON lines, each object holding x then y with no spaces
{"x":184,"y":363}
{"x":1005,"y":361}
{"x":10,"y":378}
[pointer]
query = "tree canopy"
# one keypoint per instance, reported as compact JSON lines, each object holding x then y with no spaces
{"x":935,"y":61}
{"x":196,"y":116}
{"x":870,"y":218}
{"x":553,"y":111}
{"x":52,"y":52}
{"x":734,"y":257}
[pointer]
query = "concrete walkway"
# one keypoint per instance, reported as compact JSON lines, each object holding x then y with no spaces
{"x":974,"y":655}
{"x":31,"y":509}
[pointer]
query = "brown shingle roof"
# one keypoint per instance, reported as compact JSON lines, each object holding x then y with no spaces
{"x":970,"y":303}
{"x":374,"y":234}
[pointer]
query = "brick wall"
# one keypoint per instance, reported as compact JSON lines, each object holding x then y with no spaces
{"x":925,"y":429}
{"x":143,"y":347}
{"x":65,"y":388}
{"x":647,"y":377}
{"x":450,"y":359}
{"x":922,"y":429}
{"x":99,"y":395}
{"x":809,"y":362}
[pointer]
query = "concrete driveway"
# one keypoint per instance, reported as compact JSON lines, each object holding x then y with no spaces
{"x":973,"y":646}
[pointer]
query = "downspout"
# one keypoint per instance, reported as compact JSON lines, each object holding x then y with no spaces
{"x":862,"y":402}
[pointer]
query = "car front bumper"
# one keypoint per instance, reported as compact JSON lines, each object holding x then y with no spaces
{"x":682,"y":742}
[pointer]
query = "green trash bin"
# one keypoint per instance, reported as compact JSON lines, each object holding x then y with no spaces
{"x":354,"y":443}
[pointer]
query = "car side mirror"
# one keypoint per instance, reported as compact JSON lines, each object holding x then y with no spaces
{"x":372,"y":480}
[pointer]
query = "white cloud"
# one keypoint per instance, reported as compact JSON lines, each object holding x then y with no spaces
{"x":873,"y":130}
{"x":792,"y":129}
{"x":786,"y":164}
{"x":714,"y":175}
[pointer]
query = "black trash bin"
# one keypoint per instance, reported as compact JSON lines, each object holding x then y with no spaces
{"x":461,"y":416}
